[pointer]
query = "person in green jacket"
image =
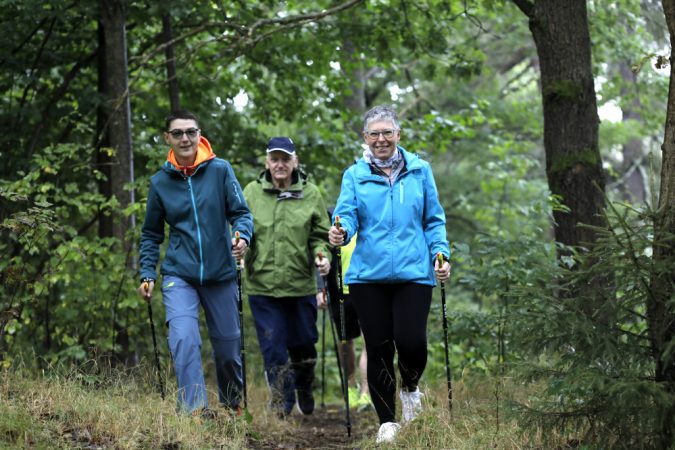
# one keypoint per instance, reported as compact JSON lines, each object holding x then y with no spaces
{"x":291,"y":228}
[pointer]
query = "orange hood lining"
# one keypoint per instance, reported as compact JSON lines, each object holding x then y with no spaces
{"x":204,"y":153}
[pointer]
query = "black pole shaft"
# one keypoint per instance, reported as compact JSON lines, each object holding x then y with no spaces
{"x":343,"y":337}
{"x":154,"y":344}
{"x":242,"y":346}
{"x":323,"y":353}
{"x":337,"y":353}
{"x":448,"y":376}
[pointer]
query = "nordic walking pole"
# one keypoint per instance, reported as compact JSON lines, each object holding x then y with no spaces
{"x":337,"y":354}
{"x":240,"y":305}
{"x":146,"y":286}
{"x":343,"y":330}
{"x":323,"y":340}
{"x":439,"y":257}
{"x":337,"y":351}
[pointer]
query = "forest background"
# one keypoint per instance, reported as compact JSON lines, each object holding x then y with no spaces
{"x":548,"y":124}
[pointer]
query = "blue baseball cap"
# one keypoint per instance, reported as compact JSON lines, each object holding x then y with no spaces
{"x":281,"y":144}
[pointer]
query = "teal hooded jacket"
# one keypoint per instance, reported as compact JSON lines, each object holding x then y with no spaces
{"x":202,"y":210}
{"x":401,"y":227}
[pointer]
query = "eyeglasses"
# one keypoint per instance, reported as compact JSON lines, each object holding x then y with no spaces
{"x":387,"y":134}
{"x":190,"y":132}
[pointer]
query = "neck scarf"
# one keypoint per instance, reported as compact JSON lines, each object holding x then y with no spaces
{"x":394,"y":161}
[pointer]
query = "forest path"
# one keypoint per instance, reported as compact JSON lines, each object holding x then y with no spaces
{"x":324,"y":429}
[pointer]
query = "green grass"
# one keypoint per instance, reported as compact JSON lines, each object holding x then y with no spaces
{"x":123,"y":411}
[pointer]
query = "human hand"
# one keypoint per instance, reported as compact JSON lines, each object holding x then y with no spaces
{"x":145,"y":289}
{"x":239,"y":246}
{"x":322,"y":264}
{"x":442,"y":269}
{"x":321,"y":301}
{"x":336,"y":236}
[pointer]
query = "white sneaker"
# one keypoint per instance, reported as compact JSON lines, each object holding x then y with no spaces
{"x":387,"y":432}
{"x":411,"y":403}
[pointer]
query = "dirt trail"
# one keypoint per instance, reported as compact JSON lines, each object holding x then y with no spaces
{"x":324,"y":429}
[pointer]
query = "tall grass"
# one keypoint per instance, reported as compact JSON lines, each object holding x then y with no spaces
{"x":115,"y":410}
{"x":122,"y":410}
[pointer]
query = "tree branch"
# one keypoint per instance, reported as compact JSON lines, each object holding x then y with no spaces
{"x":302,"y":18}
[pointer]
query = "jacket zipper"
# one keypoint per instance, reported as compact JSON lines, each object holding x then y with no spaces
{"x":199,"y":233}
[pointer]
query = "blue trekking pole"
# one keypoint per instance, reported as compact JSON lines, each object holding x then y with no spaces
{"x":240,"y":305}
{"x":343,"y":329}
{"x":439,"y":257}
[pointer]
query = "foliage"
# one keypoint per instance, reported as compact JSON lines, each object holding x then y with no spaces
{"x":598,"y":370}
{"x":464,"y":77}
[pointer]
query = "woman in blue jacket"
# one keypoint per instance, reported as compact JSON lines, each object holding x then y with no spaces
{"x":200,"y":199}
{"x":389,"y":197}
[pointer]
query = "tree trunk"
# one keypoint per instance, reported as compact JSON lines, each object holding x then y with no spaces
{"x":661,"y":306}
{"x":355,"y":72}
{"x":101,"y":141}
{"x":171,"y":76}
{"x":113,"y":17}
{"x":573,"y":163}
{"x":634,"y":186}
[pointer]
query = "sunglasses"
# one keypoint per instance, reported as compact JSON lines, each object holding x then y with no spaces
{"x":190,"y":132}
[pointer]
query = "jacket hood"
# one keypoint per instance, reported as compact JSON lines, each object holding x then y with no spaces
{"x":204,"y":153}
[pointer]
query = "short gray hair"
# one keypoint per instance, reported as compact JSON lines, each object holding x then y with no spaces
{"x":379,"y":113}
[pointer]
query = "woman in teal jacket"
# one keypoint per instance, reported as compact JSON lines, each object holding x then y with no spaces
{"x":389,"y":197}
{"x":200,"y":199}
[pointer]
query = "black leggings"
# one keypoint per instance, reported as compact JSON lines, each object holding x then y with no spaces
{"x":393,"y":317}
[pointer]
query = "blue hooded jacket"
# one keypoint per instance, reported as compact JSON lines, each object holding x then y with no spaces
{"x":401,"y":227}
{"x":200,"y":209}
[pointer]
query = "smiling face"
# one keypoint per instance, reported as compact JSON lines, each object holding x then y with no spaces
{"x":281,"y":165}
{"x":183,"y":137}
{"x":382,"y":136}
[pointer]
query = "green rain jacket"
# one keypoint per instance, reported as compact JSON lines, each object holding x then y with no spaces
{"x":291,"y":227}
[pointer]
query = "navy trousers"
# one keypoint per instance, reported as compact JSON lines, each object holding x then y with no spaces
{"x":286,"y":329}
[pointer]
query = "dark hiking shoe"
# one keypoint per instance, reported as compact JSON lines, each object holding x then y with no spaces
{"x":204,"y":415}
{"x":305,"y":401}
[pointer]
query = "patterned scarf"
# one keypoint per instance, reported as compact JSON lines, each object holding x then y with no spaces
{"x":392,"y":162}
{"x":395,"y":163}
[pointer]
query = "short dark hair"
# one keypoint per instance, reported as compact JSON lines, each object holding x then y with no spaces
{"x":180,"y":114}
